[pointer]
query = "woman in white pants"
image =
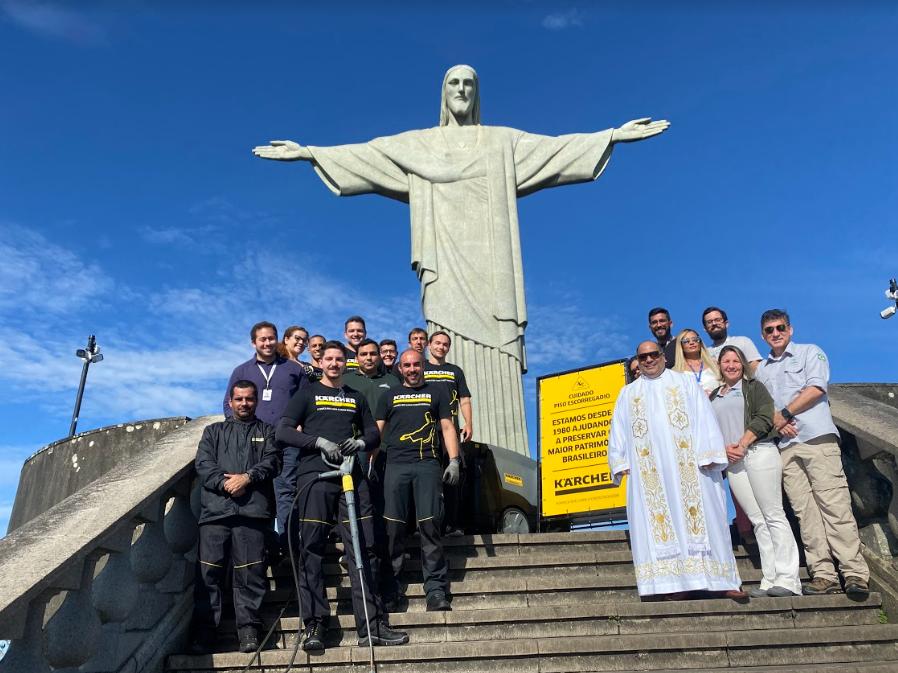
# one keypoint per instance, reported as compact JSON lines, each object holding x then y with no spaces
{"x":744,"y":411}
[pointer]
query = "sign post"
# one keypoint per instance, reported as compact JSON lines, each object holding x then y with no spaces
{"x":575,"y":409}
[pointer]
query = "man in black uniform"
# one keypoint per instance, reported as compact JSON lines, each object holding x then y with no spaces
{"x":452,"y":379}
{"x":388,"y":353}
{"x":409,"y":419}
{"x":354,"y":331}
{"x":328,"y":420}
{"x":235,"y":462}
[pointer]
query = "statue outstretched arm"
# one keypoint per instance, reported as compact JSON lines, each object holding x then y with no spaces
{"x":283,"y":150}
{"x":639,"y":129}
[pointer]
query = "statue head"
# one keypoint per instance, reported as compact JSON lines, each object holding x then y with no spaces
{"x":460,"y":97}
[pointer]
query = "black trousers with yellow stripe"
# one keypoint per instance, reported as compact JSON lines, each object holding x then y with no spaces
{"x":421,"y":483}
{"x":320,"y":506}
{"x":239,"y":541}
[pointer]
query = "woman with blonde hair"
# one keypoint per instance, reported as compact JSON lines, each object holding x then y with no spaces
{"x":693,"y":358}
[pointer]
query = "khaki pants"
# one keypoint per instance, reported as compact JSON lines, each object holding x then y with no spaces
{"x":815,"y":483}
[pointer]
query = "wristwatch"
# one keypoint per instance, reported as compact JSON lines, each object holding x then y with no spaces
{"x":785,"y":413}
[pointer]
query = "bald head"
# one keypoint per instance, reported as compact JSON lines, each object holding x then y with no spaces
{"x":651,"y":359}
{"x":411,"y":367}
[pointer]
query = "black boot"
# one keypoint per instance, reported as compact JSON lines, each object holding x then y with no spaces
{"x":249,"y":638}
{"x":382,"y":634}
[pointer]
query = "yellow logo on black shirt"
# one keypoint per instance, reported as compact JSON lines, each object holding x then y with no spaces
{"x":421,"y":436}
{"x":334,"y":402}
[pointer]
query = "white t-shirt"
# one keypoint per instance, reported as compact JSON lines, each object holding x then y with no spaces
{"x":742,"y":343}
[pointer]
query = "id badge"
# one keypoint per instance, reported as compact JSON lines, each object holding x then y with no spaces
{"x":266,"y":395}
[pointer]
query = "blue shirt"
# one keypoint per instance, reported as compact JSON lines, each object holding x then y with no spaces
{"x":287,"y":378}
{"x":800,"y":366}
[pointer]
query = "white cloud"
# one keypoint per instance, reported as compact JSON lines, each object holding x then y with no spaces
{"x":173,"y":357}
{"x":52,"y":21}
{"x":561,"y":336}
{"x":40,"y":277}
{"x":562,"y":20}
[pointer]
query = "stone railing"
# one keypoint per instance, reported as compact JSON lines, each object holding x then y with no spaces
{"x":102,"y":581}
{"x":867,"y":417}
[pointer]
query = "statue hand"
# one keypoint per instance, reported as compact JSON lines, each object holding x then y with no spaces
{"x":639,"y":129}
{"x":282,"y":150}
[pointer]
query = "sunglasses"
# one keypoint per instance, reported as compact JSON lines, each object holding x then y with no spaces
{"x":691,"y":340}
{"x":651,"y":355}
{"x":779,"y":328}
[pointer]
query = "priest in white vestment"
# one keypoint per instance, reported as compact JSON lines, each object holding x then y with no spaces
{"x":665,"y":437}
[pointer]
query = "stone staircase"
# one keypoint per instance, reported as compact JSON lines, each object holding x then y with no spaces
{"x":567,"y":602}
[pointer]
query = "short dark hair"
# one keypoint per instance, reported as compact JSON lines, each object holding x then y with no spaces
{"x":711,"y":309}
{"x":262,"y":325}
{"x":388,"y":342}
{"x":317,"y":336}
{"x":355,"y":318}
{"x":416,"y":330}
{"x":439,"y":332}
{"x":243,"y":384}
{"x":774,"y":314}
{"x":367,"y":342}
{"x":657,"y":310}
{"x":333,"y":343}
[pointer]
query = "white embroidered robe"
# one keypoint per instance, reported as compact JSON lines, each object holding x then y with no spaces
{"x":663,"y":431}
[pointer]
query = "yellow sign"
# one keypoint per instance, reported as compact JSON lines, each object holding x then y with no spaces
{"x":575,"y":411}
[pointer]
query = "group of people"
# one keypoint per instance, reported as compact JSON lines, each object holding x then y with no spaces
{"x":394,"y":417}
{"x":693,"y":414}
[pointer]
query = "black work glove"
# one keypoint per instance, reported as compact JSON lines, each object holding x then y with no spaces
{"x":331,"y":450}
{"x":350,"y":447}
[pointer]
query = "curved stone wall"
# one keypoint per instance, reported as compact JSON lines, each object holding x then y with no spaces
{"x":60,"y":469}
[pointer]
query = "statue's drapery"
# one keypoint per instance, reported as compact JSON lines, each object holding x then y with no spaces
{"x":462,"y":185}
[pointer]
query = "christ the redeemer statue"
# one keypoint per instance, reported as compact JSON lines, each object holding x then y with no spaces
{"x":461,"y":181}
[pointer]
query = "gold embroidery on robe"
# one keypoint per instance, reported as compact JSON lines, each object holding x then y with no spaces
{"x":693,"y":507}
{"x":691,"y":565}
{"x":654,"y":498}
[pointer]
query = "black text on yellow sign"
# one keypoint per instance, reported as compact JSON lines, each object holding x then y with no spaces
{"x":575,"y":412}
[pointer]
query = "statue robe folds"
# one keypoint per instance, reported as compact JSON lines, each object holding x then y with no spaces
{"x":462,"y":185}
{"x":663,"y":431}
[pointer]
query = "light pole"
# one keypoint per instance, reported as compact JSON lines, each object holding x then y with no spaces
{"x":88,"y":355}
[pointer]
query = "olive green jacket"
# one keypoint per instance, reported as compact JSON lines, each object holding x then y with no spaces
{"x":758,"y":409}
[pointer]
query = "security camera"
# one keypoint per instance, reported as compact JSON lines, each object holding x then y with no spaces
{"x":891,"y":293}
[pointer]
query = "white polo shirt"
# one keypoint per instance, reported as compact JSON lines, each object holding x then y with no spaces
{"x":744,"y":344}
{"x":800,"y":366}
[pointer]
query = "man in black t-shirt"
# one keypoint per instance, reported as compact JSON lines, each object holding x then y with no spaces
{"x":410,"y":419}
{"x":327,"y":422}
{"x":354,"y":331}
{"x":452,"y":379}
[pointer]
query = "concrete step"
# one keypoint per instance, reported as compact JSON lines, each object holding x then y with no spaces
{"x":491,"y":590}
{"x":643,"y":652}
{"x":568,"y":561}
{"x":601,"y":619}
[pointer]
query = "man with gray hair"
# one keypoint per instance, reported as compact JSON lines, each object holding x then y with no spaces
{"x":797,"y":376}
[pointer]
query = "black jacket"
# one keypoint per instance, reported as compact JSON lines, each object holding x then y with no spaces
{"x":235,"y":447}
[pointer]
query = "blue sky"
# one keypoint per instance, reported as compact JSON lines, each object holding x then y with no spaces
{"x":131,"y":206}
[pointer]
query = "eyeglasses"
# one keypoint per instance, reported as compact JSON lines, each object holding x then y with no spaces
{"x":779,"y":328}
{"x":715,"y":321}
{"x":691,"y":340}
{"x":651,"y":355}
